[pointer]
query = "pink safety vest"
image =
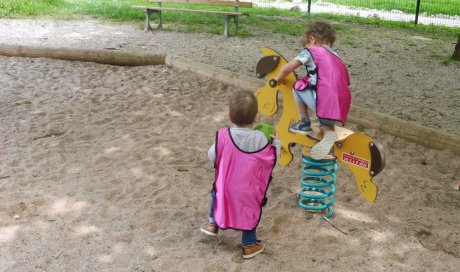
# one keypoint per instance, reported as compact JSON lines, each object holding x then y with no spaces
{"x":333,"y":97}
{"x":241,"y":181}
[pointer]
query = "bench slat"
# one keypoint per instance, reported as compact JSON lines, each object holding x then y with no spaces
{"x":190,"y":10}
{"x":207,"y":2}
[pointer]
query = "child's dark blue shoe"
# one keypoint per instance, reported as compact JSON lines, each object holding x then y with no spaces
{"x":301,"y":127}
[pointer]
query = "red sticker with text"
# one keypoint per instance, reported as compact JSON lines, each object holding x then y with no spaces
{"x":355,"y":160}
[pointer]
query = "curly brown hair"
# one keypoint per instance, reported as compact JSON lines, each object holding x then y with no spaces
{"x":243,"y":108}
{"x":321,"y":31}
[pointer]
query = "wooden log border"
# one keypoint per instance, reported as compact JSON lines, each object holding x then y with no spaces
{"x":112,"y":57}
{"x":410,"y":131}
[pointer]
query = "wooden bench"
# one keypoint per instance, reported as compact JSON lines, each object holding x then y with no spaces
{"x":228,"y":15}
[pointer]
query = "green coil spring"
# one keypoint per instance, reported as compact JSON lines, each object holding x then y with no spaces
{"x":318,"y":189}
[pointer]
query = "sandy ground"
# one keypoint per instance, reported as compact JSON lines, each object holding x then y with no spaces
{"x":104,"y":168}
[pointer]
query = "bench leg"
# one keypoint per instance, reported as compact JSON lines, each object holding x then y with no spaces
{"x":160,"y":19}
{"x":236,"y":23}
{"x":148,"y":14}
{"x":227,"y":24}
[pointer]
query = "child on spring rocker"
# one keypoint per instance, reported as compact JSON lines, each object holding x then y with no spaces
{"x":244,"y":160}
{"x":325,"y":88}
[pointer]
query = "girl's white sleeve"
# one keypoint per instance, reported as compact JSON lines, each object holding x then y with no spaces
{"x":277,"y":144}
{"x":212,"y":153}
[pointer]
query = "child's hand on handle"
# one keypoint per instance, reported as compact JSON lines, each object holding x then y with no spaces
{"x":280,"y":80}
{"x":284,"y":72}
{"x":275,"y":136}
{"x":275,"y":141}
{"x":276,"y":81}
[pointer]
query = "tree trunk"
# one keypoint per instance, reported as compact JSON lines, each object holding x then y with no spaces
{"x":456,"y":55}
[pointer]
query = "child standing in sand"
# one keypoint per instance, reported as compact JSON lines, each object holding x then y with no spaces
{"x":325,"y":89}
{"x":244,"y":160}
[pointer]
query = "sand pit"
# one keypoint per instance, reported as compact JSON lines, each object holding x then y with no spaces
{"x":104,"y":169}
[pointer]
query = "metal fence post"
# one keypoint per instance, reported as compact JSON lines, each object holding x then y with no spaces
{"x":309,"y":6}
{"x":417,"y":11}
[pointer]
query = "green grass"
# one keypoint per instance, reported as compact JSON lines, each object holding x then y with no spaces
{"x":267,"y":19}
{"x":448,"y":7}
{"x":31,"y":7}
{"x":447,"y":60}
{"x":112,"y":9}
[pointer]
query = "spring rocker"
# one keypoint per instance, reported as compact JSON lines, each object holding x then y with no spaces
{"x":356,"y":151}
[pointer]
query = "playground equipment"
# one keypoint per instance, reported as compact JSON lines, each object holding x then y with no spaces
{"x":357,"y":151}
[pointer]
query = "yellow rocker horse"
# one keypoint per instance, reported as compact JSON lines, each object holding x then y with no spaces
{"x":357,"y":151}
